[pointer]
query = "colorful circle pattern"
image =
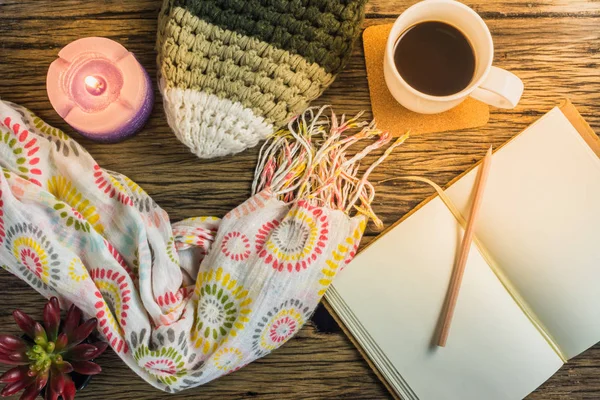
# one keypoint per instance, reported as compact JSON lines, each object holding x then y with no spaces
{"x":223,"y":308}
{"x":77,"y":270}
{"x":34,"y":254}
{"x":297,"y":241}
{"x":114,"y":296}
{"x":131,"y":271}
{"x":236,"y":246}
{"x":228,"y":359}
{"x":61,"y":140}
{"x":165,"y":355}
{"x":172,"y":252}
{"x":278,"y":326}
{"x":137,"y":195}
{"x":166,"y":365}
{"x":24,"y":147}
{"x":341,"y":256}
{"x":84,"y":212}
{"x":112,"y":187}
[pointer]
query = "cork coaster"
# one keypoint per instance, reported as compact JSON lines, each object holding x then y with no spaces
{"x":391,"y":116}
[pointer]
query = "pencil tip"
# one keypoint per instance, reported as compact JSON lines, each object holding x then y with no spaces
{"x":490,"y":150}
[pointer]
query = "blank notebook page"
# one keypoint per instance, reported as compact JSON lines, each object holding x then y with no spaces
{"x":396,"y":289}
{"x":540,"y":221}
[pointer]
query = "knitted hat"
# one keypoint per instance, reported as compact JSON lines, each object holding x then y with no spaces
{"x":233,"y":71}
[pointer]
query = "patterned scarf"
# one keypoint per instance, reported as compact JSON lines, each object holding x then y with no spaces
{"x":186,"y":303}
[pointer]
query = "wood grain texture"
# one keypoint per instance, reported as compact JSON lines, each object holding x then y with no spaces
{"x":553,"y":45}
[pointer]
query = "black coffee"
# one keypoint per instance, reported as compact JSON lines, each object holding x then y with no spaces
{"x":435,"y":58}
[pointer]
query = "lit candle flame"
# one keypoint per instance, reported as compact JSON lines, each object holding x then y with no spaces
{"x":95,"y":85}
{"x":92,"y":81}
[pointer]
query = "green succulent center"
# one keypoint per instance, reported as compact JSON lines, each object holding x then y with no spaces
{"x":42,"y":356}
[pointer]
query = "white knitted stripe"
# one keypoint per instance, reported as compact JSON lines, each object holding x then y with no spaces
{"x":210,"y":126}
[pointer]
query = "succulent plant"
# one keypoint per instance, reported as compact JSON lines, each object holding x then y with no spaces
{"x":45,"y":357}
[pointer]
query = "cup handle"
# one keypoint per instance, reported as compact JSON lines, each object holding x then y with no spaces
{"x":501,"y":89}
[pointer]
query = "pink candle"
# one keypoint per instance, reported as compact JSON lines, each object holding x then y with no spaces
{"x":100,"y":89}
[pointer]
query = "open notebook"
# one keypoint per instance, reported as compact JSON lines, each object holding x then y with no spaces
{"x":530,"y":298}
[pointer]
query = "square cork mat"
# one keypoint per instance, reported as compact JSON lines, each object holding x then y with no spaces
{"x":391,"y":116}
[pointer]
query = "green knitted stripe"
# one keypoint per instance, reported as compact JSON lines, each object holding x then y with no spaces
{"x":322,"y":31}
{"x":273,"y":83}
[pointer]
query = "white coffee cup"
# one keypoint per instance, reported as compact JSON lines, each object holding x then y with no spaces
{"x":491,"y":85}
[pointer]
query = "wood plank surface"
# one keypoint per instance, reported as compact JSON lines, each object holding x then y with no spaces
{"x":553,"y":45}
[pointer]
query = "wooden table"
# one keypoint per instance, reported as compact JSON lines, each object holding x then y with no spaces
{"x":554,"y":46}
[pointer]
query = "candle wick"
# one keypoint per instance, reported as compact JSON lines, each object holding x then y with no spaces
{"x":95,"y":85}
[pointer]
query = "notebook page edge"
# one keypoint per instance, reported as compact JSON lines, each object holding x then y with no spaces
{"x":368,"y":348}
{"x":581,"y":125}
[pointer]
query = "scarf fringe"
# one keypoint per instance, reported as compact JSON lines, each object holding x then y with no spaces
{"x":310,"y":160}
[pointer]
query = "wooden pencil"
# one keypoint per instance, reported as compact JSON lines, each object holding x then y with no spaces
{"x":459,"y":268}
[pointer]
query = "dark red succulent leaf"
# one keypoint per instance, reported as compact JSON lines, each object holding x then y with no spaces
{"x":69,"y":391}
{"x":57,"y":382}
{"x":64,"y":366}
{"x":10,"y":353}
{"x":55,"y":303}
{"x":30,"y":393}
{"x":72,"y":320}
{"x":41,"y":380}
{"x":25,"y":322}
{"x":61,"y":342}
{"x":100,"y":348}
{"x":50,"y":395}
{"x":19,"y":357}
{"x":86,"y":367}
{"x":12,"y":342}
{"x":14,"y":374}
{"x":52,"y":318}
{"x":4,"y":359}
{"x":81,"y":352}
{"x":14,"y":387}
{"x":40,"y":334}
{"x":82,"y":332}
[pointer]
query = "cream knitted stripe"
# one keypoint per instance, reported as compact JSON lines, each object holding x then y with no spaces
{"x":210,"y":126}
{"x":273,"y":83}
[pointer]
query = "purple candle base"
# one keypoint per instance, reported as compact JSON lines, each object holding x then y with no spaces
{"x":133,"y":126}
{"x":100,"y":89}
